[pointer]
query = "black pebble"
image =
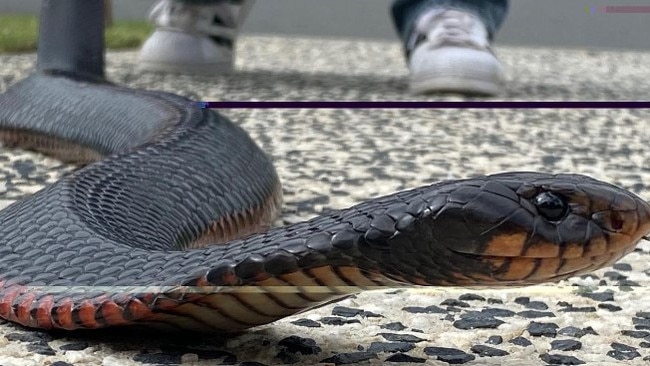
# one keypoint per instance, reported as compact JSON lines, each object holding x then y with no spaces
{"x":589,"y":276}
{"x":427,"y":310}
{"x":400,"y":357}
{"x":503,"y":313}
{"x":41,"y":349}
{"x":471,"y":297}
{"x":599,"y":296}
{"x":614,"y":276}
{"x":352,"y":357}
{"x":641,"y":323}
{"x":377,"y":347}
{"x":29,"y":337}
{"x":453,"y":309}
{"x":566,"y":345}
{"x":454,"y":302}
{"x":370,"y":314}
{"x":542,"y":329}
{"x":535,"y":314}
{"x":287,"y":357}
{"x":476,"y":320}
{"x":486,"y":351}
{"x":306,"y":323}
{"x":60,"y":363}
{"x":76,"y":346}
{"x":295,"y":344}
{"x":644,"y":344}
{"x":622,"y":266}
{"x":24,"y":167}
{"x":334,"y":320}
{"x":635,"y":333}
{"x":555,"y":359}
{"x":622,"y":347}
{"x":397,"y":337}
{"x":493,"y":301}
{"x":158,"y":358}
{"x":643,"y":314}
{"x":626,"y":284}
{"x":550,"y":159}
{"x":522,"y":300}
{"x":393,"y":326}
{"x":521,"y":341}
{"x":495,"y":339}
{"x":536,"y":305}
{"x":572,"y":331}
{"x":623,"y":353}
{"x":449,"y":355}
{"x":610,"y":307}
{"x":346,"y":312}
{"x":582,"y":309}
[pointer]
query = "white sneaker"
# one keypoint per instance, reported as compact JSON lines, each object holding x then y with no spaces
{"x":449,"y":51}
{"x":193,"y":39}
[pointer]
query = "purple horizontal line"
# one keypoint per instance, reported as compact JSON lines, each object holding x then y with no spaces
{"x":425,"y":105}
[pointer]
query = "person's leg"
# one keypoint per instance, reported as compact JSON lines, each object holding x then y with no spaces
{"x":193,"y":36}
{"x":446,"y":43}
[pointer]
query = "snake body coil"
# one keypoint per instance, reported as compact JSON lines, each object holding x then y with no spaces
{"x":122,"y":241}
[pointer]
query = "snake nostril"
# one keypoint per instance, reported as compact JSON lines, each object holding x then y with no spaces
{"x":609,"y":220}
{"x":617,"y":221}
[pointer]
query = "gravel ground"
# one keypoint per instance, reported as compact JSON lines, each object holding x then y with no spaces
{"x":333,"y":158}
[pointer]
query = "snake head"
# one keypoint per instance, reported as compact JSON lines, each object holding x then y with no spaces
{"x":523,"y":228}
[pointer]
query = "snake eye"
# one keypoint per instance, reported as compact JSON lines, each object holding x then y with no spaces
{"x":551,"y":206}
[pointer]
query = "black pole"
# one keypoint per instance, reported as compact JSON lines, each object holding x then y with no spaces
{"x":71,"y":37}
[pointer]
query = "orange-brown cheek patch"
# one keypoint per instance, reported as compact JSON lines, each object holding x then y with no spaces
{"x":546,"y":269}
{"x":619,"y":242}
{"x":573,"y":250}
{"x":596,"y":246}
{"x":518,"y":269}
{"x":575,"y":264}
{"x":505,"y":245}
{"x":542,"y":250}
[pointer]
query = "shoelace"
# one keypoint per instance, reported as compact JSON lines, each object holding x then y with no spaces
{"x":441,"y":27}
{"x":220,"y":21}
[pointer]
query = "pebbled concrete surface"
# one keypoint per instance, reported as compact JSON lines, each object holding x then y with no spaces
{"x":333,"y":158}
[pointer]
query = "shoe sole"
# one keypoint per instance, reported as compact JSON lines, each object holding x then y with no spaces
{"x":439,"y":84}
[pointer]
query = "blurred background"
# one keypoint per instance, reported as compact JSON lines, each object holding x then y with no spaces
{"x":556,"y":23}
